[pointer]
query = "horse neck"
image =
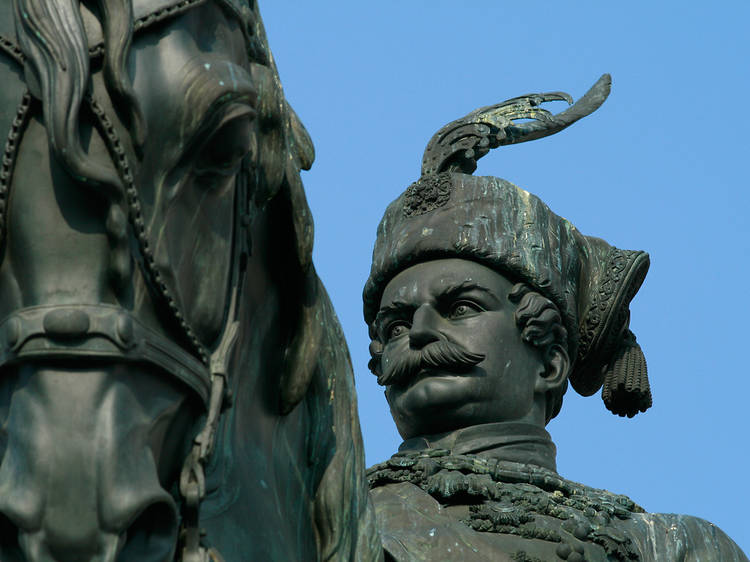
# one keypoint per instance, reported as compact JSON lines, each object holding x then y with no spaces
{"x":261,"y":475}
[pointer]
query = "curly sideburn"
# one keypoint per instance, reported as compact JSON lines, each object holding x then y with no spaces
{"x":541,"y":325}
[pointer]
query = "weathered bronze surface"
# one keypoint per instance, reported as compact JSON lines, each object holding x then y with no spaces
{"x":175,"y":384}
{"x":171,"y":362}
{"x":482,"y":305}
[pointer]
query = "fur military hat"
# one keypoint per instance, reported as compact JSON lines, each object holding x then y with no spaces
{"x":450,"y":213}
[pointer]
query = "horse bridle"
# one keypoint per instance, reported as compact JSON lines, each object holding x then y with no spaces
{"x":110,"y":332}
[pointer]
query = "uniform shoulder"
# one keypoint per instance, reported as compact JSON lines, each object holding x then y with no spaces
{"x":670,"y":536}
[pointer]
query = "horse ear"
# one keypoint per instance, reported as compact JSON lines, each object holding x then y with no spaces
{"x":301,"y":155}
{"x":302,"y":220}
{"x":302,"y":144}
{"x":287,"y":148}
{"x":270,"y":162}
{"x":301,"y":359}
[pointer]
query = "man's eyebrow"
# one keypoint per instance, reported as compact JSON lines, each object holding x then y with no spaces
{"x":464,"y":287}
{"x":455,"y":290}
{"x":394,"y":308}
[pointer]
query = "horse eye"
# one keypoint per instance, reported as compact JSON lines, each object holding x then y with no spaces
{"x":223,"y":153}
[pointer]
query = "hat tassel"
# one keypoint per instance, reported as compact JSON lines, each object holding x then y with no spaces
{"x":626,"y":389}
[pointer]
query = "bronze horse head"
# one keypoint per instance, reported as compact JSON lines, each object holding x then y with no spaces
{"x":170,"y":361}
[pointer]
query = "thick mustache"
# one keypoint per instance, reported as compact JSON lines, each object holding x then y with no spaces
{"x":437,"y":355}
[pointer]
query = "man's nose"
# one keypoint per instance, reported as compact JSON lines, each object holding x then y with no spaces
{"x":425,"y":327}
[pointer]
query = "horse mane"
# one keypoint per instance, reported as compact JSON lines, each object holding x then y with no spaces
{"x":314,"y":357}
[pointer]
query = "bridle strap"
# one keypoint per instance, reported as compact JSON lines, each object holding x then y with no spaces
{"x":159,"y":289}
{"x":192,"y":477}
{"x":15,"y":132}
{"x":98,"y":331}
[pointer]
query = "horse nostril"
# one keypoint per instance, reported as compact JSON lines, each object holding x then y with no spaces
{"x":152,"y":536}
{"x":10,"y":549}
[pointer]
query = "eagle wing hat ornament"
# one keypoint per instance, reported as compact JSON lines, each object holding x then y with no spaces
{"x":450,"y":213}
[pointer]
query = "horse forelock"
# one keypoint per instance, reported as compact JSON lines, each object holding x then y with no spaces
{"x":52,"y":35}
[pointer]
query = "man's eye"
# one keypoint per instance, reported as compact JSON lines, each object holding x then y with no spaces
{"x":396,"y":330}
{"x":463,"y":308}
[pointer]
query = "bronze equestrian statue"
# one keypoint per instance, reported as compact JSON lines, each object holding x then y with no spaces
{"x":175,"y":384}
{"x":482,"y":306}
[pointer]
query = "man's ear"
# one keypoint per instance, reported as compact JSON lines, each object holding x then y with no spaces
{"x":376,"y":353}
{"x":556,"y":371}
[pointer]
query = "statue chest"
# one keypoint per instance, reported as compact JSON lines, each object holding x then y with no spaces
{"x":465,"y":508}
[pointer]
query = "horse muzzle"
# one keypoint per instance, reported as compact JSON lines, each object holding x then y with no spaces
{"x":88,"y":455}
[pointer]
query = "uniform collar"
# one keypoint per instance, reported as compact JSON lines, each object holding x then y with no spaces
{"x":507,"y":441}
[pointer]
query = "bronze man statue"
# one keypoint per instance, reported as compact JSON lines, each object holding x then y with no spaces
{"x":482,"y":305}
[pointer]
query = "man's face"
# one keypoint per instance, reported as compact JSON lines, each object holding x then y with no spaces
{"x":452,"y":351}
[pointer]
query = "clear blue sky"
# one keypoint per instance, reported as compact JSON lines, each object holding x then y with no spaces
{"x":662,"y":167}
